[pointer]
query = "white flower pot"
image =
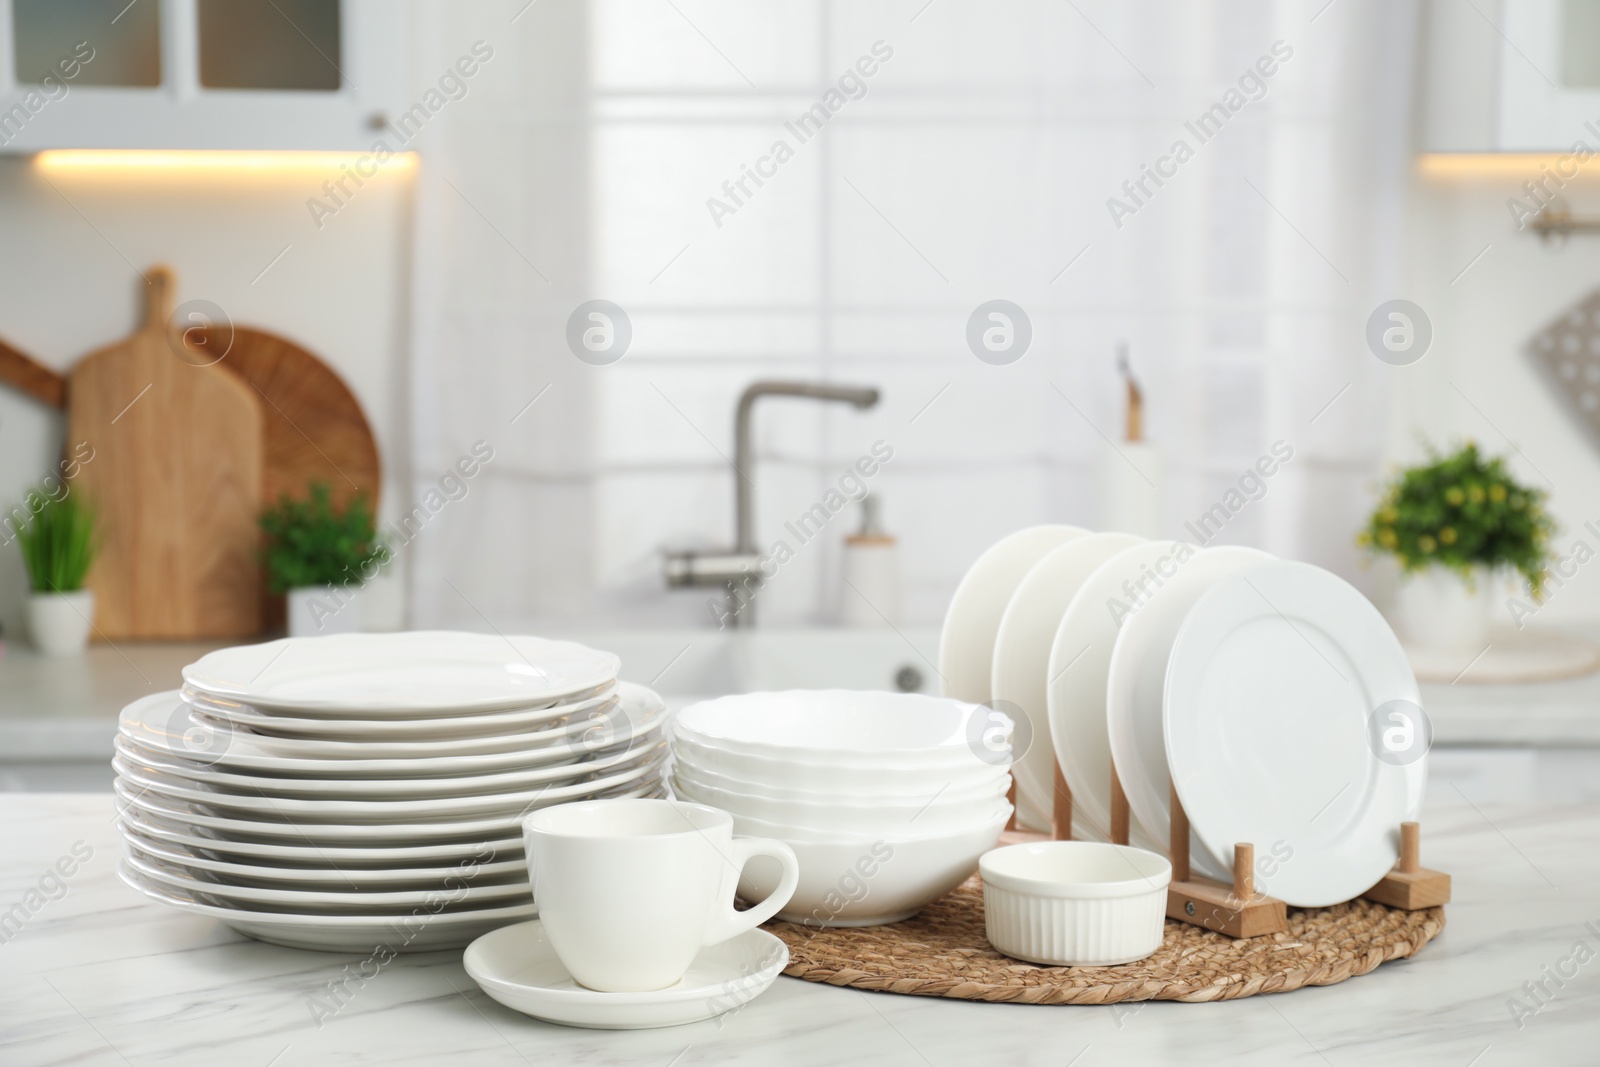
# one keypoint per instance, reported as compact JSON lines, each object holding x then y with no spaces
{"x":316,"y":610}
{"x":59,"y":623}
{"x":1437,"y":609}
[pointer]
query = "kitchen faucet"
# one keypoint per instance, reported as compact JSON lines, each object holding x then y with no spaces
{"x":738,"y":570}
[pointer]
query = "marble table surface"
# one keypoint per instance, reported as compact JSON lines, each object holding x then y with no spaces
{"x":92,"y":973}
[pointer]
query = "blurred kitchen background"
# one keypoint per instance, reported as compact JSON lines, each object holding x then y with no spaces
{"x":428,"y":197}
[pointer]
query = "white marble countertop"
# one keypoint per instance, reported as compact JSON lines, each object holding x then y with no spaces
{"x":98,"y":975}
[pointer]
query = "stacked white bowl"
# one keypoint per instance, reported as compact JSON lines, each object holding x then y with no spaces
{"x":363,"y":790}
{"x":888,"y":799}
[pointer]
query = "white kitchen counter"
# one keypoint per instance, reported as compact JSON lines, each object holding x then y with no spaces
{"x":101,"y":976}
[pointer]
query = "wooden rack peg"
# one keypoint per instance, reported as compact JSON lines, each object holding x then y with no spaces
{"x":1410,"y":886}
{"x":1236,"y":910}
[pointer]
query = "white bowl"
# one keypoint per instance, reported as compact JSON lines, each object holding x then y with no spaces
{"x":874,"y":816}
{"x":868,"y":881}
{"x":786,"y":831}
{"x":904,"y":777}
{"x":1075,"y":903}
{"x":851,"y":728}
{"x":962,"y":790}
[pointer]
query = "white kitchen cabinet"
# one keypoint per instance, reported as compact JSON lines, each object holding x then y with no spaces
{"x":199,"y":74}
{"x":1514,"y":76}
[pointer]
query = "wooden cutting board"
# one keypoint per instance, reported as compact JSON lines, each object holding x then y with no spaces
{"x":315,"y":428}
{"x":177,"y":478}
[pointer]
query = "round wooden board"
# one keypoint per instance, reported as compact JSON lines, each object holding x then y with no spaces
{"x":315,"y":428}
{"x":943,"y":953}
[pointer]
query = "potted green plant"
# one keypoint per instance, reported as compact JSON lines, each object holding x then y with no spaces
{"x":320,"y":556}
{"x":58,"y":544}
{"x":1452,"y":523}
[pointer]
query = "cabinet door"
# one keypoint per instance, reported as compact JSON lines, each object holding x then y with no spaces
{"x":199,"y":74}
{"x":1549,"y":74}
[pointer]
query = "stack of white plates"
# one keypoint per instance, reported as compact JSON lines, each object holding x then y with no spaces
{"x":1266,"y":693}
{"x":888,"y":799}
{"x":365,"y":790}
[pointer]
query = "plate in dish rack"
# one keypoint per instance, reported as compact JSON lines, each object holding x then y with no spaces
{"x":1282,"y":689}
{"x":442,"y":672}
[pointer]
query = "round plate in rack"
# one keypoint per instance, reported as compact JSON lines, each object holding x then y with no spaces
{"x":1079,"y":657}
{"x":966,"y":644}
{"x":1136,"y":682}
{"x":1276,"y":681}
{"x":442,"y":672}
{"x":1020,"y":674}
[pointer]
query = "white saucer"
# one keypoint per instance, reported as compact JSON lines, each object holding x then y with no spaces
{"x":517,"y":967}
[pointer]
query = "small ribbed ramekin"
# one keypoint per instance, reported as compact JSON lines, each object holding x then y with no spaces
{"x":1075,"y":903}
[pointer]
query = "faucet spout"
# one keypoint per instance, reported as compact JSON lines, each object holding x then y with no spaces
{"x":861,"y":397}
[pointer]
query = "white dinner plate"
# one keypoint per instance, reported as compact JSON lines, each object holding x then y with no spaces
{"x":480,"y":867}
{"x":1020,"y":674}
{"x":321,"y":834}
{"x":454,"y":892}
{"x":1271,"y":690}
{"x":966,"y":643}
{"x":366,"y":788}
{"x":1135,"y":684}
{"x":370,"y":935}
{"x":1080,"y":654}
{"x":517,"y":967}
{"x":489,"y":724}
{"x":631,"y":767}
{"x":208,"y":700}
{"x":164,"y":724}
{"x":372,"y":860}
{"x":419,"y":671}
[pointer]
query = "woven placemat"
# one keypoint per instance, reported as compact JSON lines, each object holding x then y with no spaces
{"x":943,"y":953}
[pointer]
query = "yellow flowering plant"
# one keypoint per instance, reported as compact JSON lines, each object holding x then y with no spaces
{"x":1461,"y":511}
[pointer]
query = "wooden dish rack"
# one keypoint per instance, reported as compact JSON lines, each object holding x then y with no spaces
{"x":1237,"y":910}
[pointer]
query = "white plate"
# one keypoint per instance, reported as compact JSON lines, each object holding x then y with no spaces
{"x":517,"y":967}
{"x":858,"y":728}
{"x":454,"y":892}
{"x":320,"y":835}
{"x":1019,"y":674}
{"x":1136,"y":681}
{"x":1079,"y":656}
{"x":481,"y":866}
{"x":633,"y":766}
{"x":373,"y":860}
{"x":1272,"y":682}
{"x":491,"y":724}
{"x":415,"y":789}
{"x":966,"y":644}
{"x":435,"y":671}
{"x":370,"y":935}
{"x":164,"y":724}
{"x":212,"y":702}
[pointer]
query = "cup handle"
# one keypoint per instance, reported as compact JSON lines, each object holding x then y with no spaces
{"x":741,"y":851}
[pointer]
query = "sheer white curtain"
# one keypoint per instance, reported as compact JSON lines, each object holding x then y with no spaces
{"x":978,"y":160}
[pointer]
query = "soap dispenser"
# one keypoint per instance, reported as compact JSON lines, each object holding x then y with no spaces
{"x":871,"y":596}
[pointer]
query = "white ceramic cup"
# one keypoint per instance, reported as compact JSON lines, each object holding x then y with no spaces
{"x":630,"y":891}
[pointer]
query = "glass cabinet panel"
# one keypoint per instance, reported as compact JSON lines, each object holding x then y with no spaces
{"x":270,"y":44}
{"x":108,"y":42}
